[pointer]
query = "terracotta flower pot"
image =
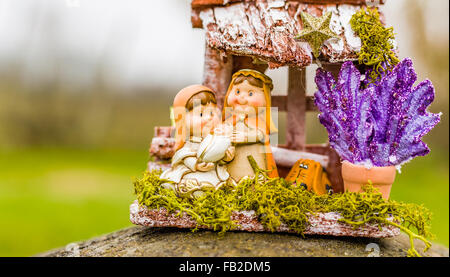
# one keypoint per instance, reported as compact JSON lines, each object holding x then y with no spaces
{"x":356,"y":176}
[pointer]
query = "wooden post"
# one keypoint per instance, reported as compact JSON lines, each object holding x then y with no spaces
{"x":217,"y":73}
{"x":334,"y":164}
{"x":246,"y":62}
{"x":334,"y":168}
{"x":334,"y":68}
{"x":296,"y":109}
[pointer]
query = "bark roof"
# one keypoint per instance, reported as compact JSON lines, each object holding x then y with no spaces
{"x":265,"y":29}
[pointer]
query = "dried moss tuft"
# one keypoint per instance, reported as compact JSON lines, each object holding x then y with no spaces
{"x":376,"y":42}
{"x":275,"y":201}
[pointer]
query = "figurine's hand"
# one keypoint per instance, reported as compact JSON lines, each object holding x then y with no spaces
{"x":238,"y":137}
{"x":219,"y":131}
{"x":229,"y":154}
{"x":256,"y":136}
{"x":205,"y":166}
{"x":223,"y":130}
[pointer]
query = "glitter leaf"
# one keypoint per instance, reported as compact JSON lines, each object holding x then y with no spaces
{"x":383,"y":123}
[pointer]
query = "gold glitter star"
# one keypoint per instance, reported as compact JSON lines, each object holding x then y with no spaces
{"x":316,"y":30}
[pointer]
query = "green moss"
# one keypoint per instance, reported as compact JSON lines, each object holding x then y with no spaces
{"x":376,"y":42}
{"x":275,"y":201}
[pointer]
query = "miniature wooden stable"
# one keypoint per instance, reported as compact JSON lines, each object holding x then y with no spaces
{"x":259,"y":34}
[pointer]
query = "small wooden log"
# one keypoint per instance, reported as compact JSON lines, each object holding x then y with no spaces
{"x":163,"y":131}
{"x":218,"y":70}
{"x":287,"y":158}
{"x":163,"y":143}
{"x":162,"y":148}
{"x":296,"y":109}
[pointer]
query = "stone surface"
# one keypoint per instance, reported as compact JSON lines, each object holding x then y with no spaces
{"x":170,"y":242}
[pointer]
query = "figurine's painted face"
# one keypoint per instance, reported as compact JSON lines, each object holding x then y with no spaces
{"x":245,"y":97}
{"x":202,"y":119}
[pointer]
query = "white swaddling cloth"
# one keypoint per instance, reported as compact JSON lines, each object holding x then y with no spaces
{"x":212,"y":149}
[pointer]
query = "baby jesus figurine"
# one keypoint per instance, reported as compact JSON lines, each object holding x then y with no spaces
{"x":199,"y":163}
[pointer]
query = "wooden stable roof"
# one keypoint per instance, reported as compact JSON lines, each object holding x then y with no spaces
{"x":203,"y":3}
{"x":265,"y":29}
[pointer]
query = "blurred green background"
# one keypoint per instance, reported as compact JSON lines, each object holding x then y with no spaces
{"x":83,"y":84}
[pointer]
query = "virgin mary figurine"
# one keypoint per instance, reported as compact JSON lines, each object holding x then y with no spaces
{"x":247,"y":120}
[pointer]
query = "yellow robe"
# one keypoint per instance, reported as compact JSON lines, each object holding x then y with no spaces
{"x":260,"y":150}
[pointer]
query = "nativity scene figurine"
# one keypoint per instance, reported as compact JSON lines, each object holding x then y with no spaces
{"x":217,"y":168}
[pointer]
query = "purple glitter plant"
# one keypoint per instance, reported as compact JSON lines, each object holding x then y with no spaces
{"x":380,"y":125}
